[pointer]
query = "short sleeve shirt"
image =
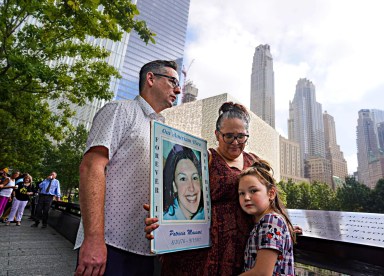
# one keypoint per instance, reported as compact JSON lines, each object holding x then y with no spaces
{"x":271,"y":233}
{"x":123,"y":127}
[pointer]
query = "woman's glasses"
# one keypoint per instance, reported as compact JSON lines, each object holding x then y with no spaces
{"x":228,"y":138}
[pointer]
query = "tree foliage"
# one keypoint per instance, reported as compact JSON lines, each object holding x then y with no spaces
{"x":353,"y":196}
{"x":65,"y":159}
{"x":37,"y":39}
{"x":377,"y":199}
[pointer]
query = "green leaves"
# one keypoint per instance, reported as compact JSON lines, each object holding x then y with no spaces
{"x":47,"y":55}
{"x":351,"y":197}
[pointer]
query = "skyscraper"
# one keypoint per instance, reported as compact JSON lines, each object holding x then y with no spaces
{"x":333,"y":153}
{"x":190,"y":92}
{"x":168,"y":19}
{"x":305,"y":126}
{"x":263,"y":85}
{"x":370,"y":155}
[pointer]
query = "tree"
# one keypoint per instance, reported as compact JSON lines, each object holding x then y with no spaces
{"x":377,"y":203}
{"x":65,"y":159}
{"x":322,"y":197}
{"x":37,"y":37}
{"x":353,"y":196}
{"x":314,"y":196}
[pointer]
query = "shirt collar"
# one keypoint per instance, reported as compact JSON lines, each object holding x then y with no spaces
{"x":148,"y":110}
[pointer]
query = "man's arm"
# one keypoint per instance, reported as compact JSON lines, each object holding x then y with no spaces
{"x":93,"y":251}
{"x":57,"y":191}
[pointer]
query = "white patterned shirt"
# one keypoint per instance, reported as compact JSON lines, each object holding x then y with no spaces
{"x":123,"y":127}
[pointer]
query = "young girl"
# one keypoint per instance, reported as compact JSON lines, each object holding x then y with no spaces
{"x":269,"y":249}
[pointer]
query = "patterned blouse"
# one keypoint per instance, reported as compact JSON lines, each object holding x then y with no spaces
{"x":271,"y":233}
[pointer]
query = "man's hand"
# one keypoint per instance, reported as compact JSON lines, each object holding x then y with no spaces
{"x":150,"y":224}
{"x":92,"y":259}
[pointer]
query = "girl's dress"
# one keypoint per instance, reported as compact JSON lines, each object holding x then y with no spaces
{"x":230,"y":227}
{"x":271,"y":233}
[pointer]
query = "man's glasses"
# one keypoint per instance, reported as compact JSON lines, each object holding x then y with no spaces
{"x":228,"y":138}
{"x":174,"y":81}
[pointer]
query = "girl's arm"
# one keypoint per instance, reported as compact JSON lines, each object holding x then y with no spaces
{"x":265,"y":263}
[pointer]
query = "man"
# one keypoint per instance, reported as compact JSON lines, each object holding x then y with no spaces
{"x":115,"y":178}
{"x":49,"y":188}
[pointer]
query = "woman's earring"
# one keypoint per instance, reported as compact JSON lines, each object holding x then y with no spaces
{"x":217,"y":142}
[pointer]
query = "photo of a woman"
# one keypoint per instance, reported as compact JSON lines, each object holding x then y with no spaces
{"x":182,"y":185}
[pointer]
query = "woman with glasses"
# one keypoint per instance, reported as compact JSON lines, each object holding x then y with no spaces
{"x":230,"y":226}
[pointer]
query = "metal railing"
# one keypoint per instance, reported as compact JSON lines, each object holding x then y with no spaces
{"x":321,"y":253}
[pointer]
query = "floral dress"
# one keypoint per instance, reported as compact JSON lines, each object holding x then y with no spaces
{"x":271,"y":233}
{"x":230,"y":227}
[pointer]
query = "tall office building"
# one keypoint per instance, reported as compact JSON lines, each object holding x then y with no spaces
{"x":305,"y":126}
{"x":190,"y":92}
{"x":263,"y":85}
{"x":335,"y":156}
{"x":168,"y":19}
{"x":370,"y":153}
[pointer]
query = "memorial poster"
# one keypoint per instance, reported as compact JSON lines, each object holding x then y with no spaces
{"x":180,"y":196}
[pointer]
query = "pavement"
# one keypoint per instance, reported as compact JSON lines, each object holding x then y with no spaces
{"x":25,"y":250}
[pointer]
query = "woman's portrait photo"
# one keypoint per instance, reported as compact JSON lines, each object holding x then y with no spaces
{"x":182,"y":184}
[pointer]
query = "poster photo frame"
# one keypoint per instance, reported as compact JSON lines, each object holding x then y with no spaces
{"x":179,"y":194}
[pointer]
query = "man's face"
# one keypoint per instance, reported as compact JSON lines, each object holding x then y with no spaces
{"x":165,"y":92}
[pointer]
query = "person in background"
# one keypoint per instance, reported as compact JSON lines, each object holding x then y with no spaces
{"x":22,"y":193}
{"x":269,"y":249}
{"x":183,"y":194}
{"x":49,"y":189}
{"x":34,"y":199}
{"x":6,"y":189}
{"x":114,"y":177}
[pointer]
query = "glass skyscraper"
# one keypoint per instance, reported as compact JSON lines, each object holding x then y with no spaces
{"x":168,"y":19}
{"x":305,"y":124}
{"x":370,"y":153}
{"x":263,"y":85}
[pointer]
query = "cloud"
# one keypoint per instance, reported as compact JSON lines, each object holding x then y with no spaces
{"x":335,"y":44}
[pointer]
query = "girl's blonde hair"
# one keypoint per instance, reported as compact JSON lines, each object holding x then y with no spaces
{"x":264,"y":172}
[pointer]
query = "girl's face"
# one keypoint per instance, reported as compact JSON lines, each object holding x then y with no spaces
{"x":254,"y":197}
{"x":188,"y":187}
{"x":234,"y":126}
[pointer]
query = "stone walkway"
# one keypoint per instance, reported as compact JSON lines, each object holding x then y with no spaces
{"x":34,"y":251}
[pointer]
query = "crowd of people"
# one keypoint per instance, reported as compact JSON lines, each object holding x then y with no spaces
{"x":250,"y":231}
{"x":17,"y":190}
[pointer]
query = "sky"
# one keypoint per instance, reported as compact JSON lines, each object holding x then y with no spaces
{"x":337,"y":44}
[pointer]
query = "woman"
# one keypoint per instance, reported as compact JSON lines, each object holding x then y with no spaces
{"x":20,"y":200}
{"x":6,"y":188}
{"x":183,"y":195}
{"x":230,"y":225}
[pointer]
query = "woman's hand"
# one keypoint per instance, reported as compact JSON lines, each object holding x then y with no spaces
{"x":150,"y":224}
